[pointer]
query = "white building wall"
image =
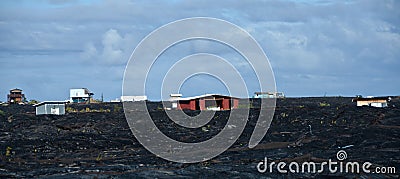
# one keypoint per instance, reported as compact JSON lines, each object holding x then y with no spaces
{"x":78,"y":93}
{"x":379,"y":105}
{"x":133,"y":98}
{"x":55,"y":109}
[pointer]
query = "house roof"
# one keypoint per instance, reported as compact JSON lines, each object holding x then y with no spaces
{"x":203,"y":96}
{"x":50,"y":102}
{"x":16,"y":90}
{"x":371,"y":99}
{"x":265,"y":92}
{"x":269,"y":93}
{"x":175,"y":95}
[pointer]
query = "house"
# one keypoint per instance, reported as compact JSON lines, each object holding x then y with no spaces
{"x":116,"y":100}
{"x":15,"y":96}
{"x":50,"y":107}
{"x":174,"y":98}
{"x":269,"y":95}
{"x":372,"y":101}
{"x":129,"y":99}
{"x":133,"y":98}
{"x":80,"y":95}
{"x":208,"y":102}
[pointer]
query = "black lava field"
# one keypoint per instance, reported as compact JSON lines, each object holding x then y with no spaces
{"x":95,"y":141}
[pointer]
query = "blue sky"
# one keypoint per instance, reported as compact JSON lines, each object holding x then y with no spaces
{"x":315,"y":47}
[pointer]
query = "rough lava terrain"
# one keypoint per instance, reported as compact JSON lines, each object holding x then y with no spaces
{"x":94,"y":140}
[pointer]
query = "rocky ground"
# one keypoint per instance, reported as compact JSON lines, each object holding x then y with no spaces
{"x":95,"y":141}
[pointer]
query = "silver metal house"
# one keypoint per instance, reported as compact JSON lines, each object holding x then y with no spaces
{"x":50,"y":107}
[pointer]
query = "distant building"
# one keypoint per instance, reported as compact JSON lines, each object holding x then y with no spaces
{"x":80,"y":95}
{"x":15,"y":96}
{"x":133,"y":98}
{"x":372,"y":101}
{"x":50,"y":107}
{"x":269,"y":95}
{"x":208,"y":102}
{"x":116,"y":100}
{"x":174,"y":98}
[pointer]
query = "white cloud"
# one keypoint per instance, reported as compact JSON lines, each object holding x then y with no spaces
{"x":89,"y":51}
{"x":114,"y":49}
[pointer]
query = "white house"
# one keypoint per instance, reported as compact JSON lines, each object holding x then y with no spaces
{"x":269,"y":95}
{"x":50,"y":107}
{"x":80,"y":95}
{"x":174,"y":98}
{"x":372,"y":101}
{"x":133,"y":98}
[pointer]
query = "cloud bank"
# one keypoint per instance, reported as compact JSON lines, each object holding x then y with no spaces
{"x":315,"y":47}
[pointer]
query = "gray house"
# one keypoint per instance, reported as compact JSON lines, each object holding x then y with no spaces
{"x":50,"y":107}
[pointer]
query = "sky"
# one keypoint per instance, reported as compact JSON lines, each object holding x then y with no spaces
{"x":315,"y":47}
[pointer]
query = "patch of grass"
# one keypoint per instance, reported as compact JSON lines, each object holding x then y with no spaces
{"x":99,"y":157}
{"x":104,"y":110}
{"x":8,"y":151}
{"x":117,"y":108}
{"x":245,"y":106}
{"x":69,"y":109}
{"x":324,"y":104}
{"x":32,"y":102}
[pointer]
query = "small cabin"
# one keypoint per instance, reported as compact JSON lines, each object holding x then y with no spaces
{"x":372,"y":101}
{"x":269,"y":95}
{"x":50,"y":107}
{"x":133,"y":98}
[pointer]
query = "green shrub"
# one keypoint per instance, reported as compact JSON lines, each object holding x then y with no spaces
{"x":245,"y":106}
{"x":69,"y":109}
{"x":324,"y":104}
{"x":117,"y":108}
{"x":8,"y":151}
{"x":32,"y":102}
